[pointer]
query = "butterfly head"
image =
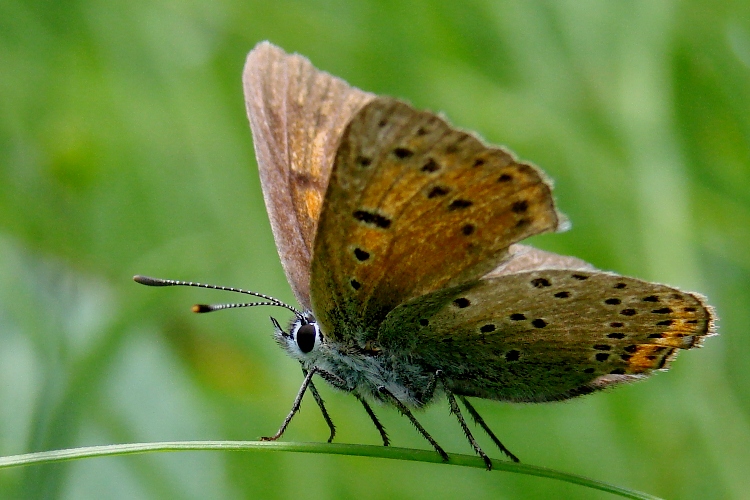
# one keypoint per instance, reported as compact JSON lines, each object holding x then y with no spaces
{"x":302,"y":339}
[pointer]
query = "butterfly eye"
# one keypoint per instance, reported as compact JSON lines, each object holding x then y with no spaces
{"x":306,"y":338}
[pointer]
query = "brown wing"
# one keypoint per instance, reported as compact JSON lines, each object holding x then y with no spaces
{"x":415,"y":205}
{"x":547,"y":334}
{"x":297,"y":114}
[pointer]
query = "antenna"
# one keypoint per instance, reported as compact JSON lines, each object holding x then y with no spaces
{"x":204,"y":308}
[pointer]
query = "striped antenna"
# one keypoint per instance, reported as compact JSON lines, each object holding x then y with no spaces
{"x":204,"y":308}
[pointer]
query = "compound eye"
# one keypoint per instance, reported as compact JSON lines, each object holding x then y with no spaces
{"x":306,"y":338}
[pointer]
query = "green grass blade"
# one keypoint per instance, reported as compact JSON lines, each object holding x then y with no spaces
{"x":56,"y":456}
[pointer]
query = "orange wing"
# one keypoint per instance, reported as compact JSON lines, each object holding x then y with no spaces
{"x":415,"y":205}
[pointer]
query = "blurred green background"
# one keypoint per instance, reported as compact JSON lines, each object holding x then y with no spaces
{"x":124,"y":149}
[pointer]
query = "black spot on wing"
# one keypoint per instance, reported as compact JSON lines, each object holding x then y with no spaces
{"x":372,"y":219}
{"x":363,"y":161}
{"x":361,"y":255}
{"x":430,"y":166}
{"x":459,"y":204}
{"x":437,"y":191}
{"x":540,"y":282}
{"x":402,"y":153}
{"x":468,"y":229}
{"x":462,"y":302}
{"x":663,"y":310}
{"x":519,"y":207}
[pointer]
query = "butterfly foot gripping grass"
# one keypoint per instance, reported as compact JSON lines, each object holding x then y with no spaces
{"x":399,"y":236}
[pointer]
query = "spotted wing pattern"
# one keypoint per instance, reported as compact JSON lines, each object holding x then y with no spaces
{"x":415,"y":205}
{"x":546,"y":334}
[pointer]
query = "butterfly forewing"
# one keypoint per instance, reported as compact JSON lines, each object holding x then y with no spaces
{"x":546,"y":334}
{"x":297,"y":114}
{"x":414,"y":205}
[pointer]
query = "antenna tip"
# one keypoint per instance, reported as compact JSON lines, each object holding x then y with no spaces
{"x":201,"y":308}
{"x":145,"y":280}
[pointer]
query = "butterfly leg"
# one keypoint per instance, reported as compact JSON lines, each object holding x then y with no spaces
{"x":430,"y":390}
{"x":480,"y":421}
{"x":295,"y":406}
{"x":374,"y":418}
{"x":457,"y":412}
{"x":321,"y":405}
{"x":405,"y":411}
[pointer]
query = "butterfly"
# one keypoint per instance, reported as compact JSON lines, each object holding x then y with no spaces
{"x":398,"y":234}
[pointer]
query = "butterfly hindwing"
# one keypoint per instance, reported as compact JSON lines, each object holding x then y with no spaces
{"x":297,"y":114}
{"x":525,"y":258}
{"x":546,"y":334}
{"x":414,"y":205}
